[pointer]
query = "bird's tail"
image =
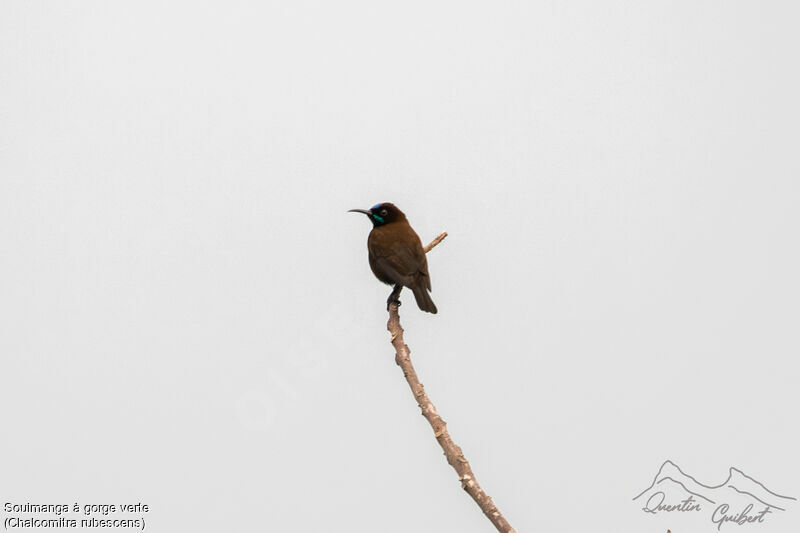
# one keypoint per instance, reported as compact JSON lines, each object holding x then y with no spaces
{"x":423,"y":299}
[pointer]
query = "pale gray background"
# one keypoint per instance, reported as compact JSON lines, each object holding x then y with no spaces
{"x":187,"y":314}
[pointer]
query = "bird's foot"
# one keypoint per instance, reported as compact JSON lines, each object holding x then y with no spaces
{"x":393,"y":300}
{"x":394,"y":296}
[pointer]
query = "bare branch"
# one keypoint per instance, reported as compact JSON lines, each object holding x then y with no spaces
{"x":435,"y":241}
{"x":451,"y":450}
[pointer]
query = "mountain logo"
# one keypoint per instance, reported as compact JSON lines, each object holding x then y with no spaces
{"x":739,"y":500}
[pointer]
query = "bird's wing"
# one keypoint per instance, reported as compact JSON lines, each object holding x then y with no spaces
{"x":423,"y":272}
{"x":404,"y":263}
{"x":423,"y":266}
{"x":417,"y":253}
{"x":390,"y":269}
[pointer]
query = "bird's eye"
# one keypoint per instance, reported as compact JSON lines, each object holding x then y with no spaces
{"x":384,"y":212}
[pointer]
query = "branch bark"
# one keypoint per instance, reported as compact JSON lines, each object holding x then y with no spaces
{"x":451,"y":450}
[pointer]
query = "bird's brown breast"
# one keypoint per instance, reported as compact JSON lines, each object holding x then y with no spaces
{"x":396,"y":254}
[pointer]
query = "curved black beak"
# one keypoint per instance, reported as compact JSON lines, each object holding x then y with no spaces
{"x":359,"y":211}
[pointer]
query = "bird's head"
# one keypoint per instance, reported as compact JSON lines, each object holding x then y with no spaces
{"x":382,"y":214}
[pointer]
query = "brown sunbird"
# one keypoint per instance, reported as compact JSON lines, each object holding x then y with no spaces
{"x":396,"y":256}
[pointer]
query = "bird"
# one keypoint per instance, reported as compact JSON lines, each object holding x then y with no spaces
{"x":396,"y":256}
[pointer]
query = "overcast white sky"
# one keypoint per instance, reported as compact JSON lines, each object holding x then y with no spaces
{"x":188,"y":319}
